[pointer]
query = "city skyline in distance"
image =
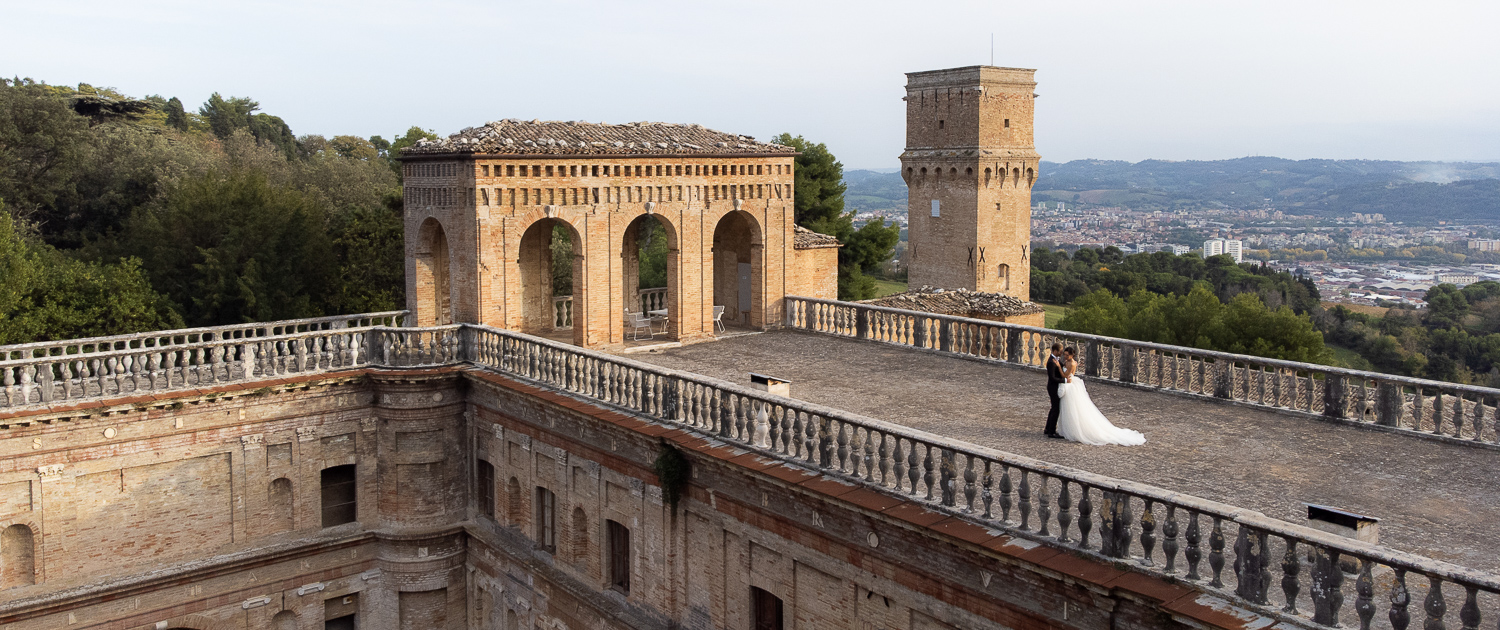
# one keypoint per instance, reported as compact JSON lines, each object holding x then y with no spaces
{"x":1159,"y":80}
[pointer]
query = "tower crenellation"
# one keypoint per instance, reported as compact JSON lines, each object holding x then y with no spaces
{"x":969,"y":165}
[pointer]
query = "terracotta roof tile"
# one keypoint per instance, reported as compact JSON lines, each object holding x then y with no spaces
{"x":804,"y":238}
{"x":511,"y":137}
{"x":958,"y":302}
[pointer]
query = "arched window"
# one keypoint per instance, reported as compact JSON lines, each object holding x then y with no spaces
{"x":284,"y":620}
{"x":1004,"y":275}
{"x":280,"y":502}
{"x":17,"y":557}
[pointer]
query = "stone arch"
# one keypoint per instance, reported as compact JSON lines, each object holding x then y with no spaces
{"x":434,"y":283}
{"x":284,"y":620}
{"x":1030,"y":176}
{"x":17,"y":557}
{"x":737,"y":269}
{"x":1016,"y":176}
{"x":280,"y":504}
{"x":640,"y":233}
{"x":544,"y":241}
{"x":1003,"y":275}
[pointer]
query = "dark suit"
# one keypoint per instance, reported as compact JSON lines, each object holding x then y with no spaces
{"x":1054,"y":380}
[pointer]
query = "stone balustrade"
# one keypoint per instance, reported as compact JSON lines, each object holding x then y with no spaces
{"x":78,"y":371}
{"x":562,"y":312}
{"x":1283,"y":570}
{"x":652,"y":299}
{"x":1433,"y":409}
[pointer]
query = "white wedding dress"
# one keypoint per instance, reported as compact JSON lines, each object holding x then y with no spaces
{"x":1080,"y":421}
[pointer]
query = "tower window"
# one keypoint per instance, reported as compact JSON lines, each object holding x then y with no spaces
{"x":940,"y":124}
{"x":1007,"y":123}
{"x":546,"y":524}
{"x":936,"y":208}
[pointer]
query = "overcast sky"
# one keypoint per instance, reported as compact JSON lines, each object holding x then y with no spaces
{"x":1119,"y":80}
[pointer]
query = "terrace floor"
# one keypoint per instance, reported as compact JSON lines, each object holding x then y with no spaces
{"x":1438,"y":500}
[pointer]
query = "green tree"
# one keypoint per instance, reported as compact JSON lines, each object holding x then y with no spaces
{"x":409,"y":139}
{"x":368,"y":244}
{"x":232,"y":248}
{"x":43,"y":145}
{"x":46,"y":295}
{"x":225,"y":115}
{"x":177,"y":117}
{"x":1446,"y":306}
{"x":818,"y":186}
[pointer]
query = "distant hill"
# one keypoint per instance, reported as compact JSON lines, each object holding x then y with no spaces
{"x":1402,"y":191}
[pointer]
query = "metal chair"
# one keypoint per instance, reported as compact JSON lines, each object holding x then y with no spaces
{"x":719,"y":318}
{"x":639,"y":321}
{"x":662,"y":319}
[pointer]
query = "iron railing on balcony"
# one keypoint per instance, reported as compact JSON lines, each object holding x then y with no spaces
{"x":1416,"y":406}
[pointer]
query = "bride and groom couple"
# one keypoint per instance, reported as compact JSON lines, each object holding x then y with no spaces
{"x":1073,"y":415}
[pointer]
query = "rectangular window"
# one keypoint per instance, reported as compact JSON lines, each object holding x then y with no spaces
{"x":549,"y":171}
{"x":484,"y":488}
{"x":546,"y":521}
{"x":936,"y":208}
{"x":573,"y":171}
{"x":618,"y":550}
{"x":339,"y":495}
{"x":1007,"y":123}
{"x":510,"y":170}
{"x":765,"y":610}
{"x":485,"y":169}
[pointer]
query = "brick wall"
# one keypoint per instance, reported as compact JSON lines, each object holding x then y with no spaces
{"x":970,"y":150}
{"x":496,"y":276}
{"x":167,"y":513}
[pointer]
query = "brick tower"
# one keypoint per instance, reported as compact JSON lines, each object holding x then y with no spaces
{"x":969,"y":164}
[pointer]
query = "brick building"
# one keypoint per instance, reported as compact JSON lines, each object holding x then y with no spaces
{"x":969,"y":164}
{"x":487,"y":207}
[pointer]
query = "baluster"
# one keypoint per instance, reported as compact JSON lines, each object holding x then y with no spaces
{"x":1064,"y":514}
{"x":1193,"y":553}
{"x":1400,"y":598}
{"x":913,"y":467}
{"x":1291,"y":565}
{"x":843,"y":448}
{"x":969,"y":487}
{"x":928,"y":465}
{"x":1122,"y":525}
{"x":946,"y":479}
{"x":1327,"y":586}
{"x":1364,"y":600}
{"x":1469,"y":614}
{"x":1044,"y":505}
{"x":985,"y":491}
{"x":798,"y":436}
{"x":898,"y":461}
{"x":1249,"y":553}
{"x":1025,"y":498}
{"x":1148,"y":534}
{"x":1216,"y":552}
{"x":1169,"y":544}
{"x":885,"y":458}
{"x":1005,"y":488}
{"x":825,"y":442}
{"x":1085,"y":515}
{"x":1435,"y":606}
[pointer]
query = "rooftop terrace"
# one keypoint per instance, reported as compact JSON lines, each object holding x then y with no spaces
{"x":1435,"y":498}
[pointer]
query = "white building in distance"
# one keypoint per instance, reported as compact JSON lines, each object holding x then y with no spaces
{"x":1217,"y":246}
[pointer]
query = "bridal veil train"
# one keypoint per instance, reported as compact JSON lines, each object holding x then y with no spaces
{"x":1079,"y":420}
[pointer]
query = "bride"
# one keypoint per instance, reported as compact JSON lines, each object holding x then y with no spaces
{"x":1079,"y":420}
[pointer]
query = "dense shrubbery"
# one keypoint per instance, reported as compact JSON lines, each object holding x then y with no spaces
{"x":1057,"y":278}
{"x":1185,"y":300}
{"x":1456,"y":339}
{"x":165,"y":217}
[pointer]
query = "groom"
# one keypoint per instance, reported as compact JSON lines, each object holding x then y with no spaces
{"x":1054,"y":380}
